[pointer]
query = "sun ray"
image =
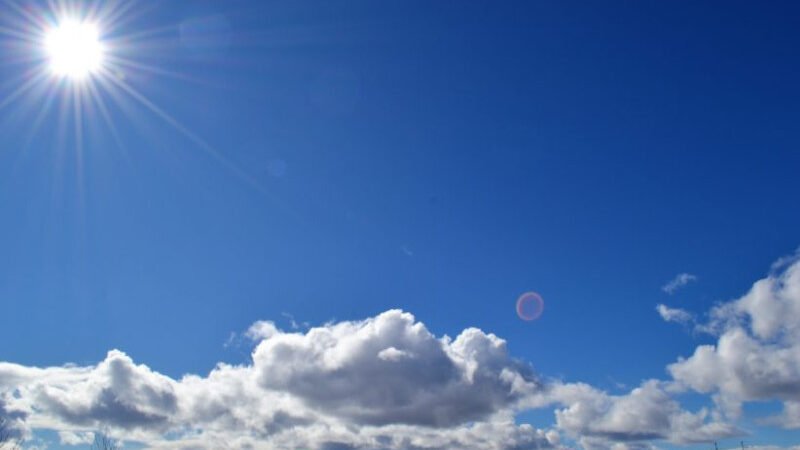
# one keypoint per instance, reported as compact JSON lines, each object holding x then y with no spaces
{"x":27,"y":15}
{"x":76,"y":86}
{"x":106,"y":115}
{"x":49,"y":96}
{"x":123,"y":63}
{"x":32,"y":82}
{"x":117,"y":13}
{"x":200,"y":142}
{"x":138,"y":36}
{"x":17,"y":34}
{"x":79,"y":148}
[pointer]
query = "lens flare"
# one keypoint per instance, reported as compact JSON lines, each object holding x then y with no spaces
{"x":530,"y":306}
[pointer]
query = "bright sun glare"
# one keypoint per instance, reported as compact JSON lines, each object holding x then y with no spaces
{"x":74,"y":49}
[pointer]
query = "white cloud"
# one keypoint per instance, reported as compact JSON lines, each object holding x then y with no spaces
{"x":339,"y":369}
{"x":674,"y":314}
{"x":680,"y":280}
{"x":646,"y":414}
{"x":757,"y":354}
{"x":67,"y":437}
{"x":788,"y":418}
{"x":263,"y":329}
{"x":387,"y":383}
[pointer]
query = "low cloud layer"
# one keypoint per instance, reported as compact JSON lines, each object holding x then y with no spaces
{"x":387,"y":382}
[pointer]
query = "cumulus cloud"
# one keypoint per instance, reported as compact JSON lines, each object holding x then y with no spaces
{"x":392,"y":370}
{"x":117,"y":392}
{"x":384,"y":382}
{"x":647,"y":413}
{"x":757,"y":353}
{"x":789,"y":417}
{"x":387,"y":382}
{"x":680,"y":280}
{"x":263,"y":329}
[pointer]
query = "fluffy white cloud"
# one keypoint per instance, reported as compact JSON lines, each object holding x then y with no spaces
{"x":757,"y":354}
{"x":392,"y":370}
{"x":263,"y":329}
{"x":116,"y":392}
{"x":385,"y":382}
{"x":680,"y":280}
{"x":388,"y":383}
{"x":645,"y":414}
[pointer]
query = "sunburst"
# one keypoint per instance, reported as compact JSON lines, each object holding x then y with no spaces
{"x":76,"y":60}
{"x":74,"y":49}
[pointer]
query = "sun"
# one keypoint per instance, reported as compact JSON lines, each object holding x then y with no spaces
{"x":83,"y":62}
{"x":74,"y":49}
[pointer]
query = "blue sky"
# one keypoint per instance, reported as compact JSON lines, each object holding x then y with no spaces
{"x":326,"y":162}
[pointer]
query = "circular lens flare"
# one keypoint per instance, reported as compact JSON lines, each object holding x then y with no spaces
{"x":530,"y":306}
{"x":74,"y":49}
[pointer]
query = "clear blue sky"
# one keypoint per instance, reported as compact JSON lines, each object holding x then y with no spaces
{"x":437,"y":157}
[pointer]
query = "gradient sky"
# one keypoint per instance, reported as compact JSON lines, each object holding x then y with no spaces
{"x":313,"y":162}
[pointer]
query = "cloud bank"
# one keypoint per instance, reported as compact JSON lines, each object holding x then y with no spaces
{"x":387,"y":382}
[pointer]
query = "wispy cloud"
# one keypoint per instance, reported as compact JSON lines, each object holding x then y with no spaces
{"x":680,"y":280}
{"x":676,"y":315}
{"x":294,"y":323}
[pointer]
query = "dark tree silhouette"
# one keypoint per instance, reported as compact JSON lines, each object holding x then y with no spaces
{"x":102,"y":442}
{"x":5,"y":435}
